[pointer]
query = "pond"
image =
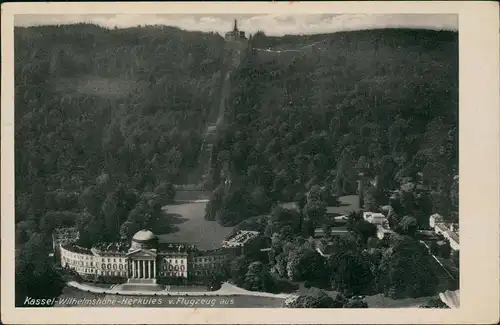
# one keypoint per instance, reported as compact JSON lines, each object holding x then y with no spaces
{"x":191,"y":227}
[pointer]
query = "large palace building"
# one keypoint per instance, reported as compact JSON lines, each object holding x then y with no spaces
{"x":144,"y":259}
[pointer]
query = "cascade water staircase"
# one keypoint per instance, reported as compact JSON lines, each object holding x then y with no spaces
{"x":216,"y":118}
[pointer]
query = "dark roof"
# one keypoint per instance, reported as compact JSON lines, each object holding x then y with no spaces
{"x":70,"y":232}
{"x":212,"y":252}
{"x":143,"y":236}
{"x":175,"y":247}
{"x":112,"y":254}
{"x":241,"y":236}
{"x":112,"y":249}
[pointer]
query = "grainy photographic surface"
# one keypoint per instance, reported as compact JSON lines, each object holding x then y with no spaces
{"x":236,"y":161}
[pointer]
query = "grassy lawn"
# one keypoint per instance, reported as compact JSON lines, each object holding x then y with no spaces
{"x":192,"y":228}
{"x":347,"y":204}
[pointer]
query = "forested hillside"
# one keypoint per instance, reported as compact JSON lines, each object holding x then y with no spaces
{"x":386,"y":100}
{"x":106,"y":121}
{"x":116,"y":100}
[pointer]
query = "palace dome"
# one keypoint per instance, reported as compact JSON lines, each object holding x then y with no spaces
{"x":143,"y":236}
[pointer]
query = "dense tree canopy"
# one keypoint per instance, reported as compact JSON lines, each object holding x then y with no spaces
{"x":36,"y":276}
{"x":406,"y":269}
{"x":105,"y":122}
{"x":382,"y":99}
{"x":108,"y":120}
{"x":127,"y":103}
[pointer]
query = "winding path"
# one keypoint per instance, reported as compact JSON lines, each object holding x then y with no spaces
{"x":300,"y":49}
{"x":226,"y":289}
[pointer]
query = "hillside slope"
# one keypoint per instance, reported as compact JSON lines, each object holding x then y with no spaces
{"x":383,"y":99}
{"x":127,"y":102}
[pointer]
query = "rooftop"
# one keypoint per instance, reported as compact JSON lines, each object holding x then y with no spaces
{"x":106,"y":249}
{"x":241,"y":236}
{"x":65,"y":230}
{"x":144,"y":236}
{"x":373,"y":215}
{"x":175,"y":247}
{"x":72,"y":247}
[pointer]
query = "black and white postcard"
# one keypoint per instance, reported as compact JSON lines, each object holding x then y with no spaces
{"x":250,"y":163}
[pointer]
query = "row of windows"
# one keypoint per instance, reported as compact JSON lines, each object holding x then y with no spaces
{"x":110,"y":273}
{"x":124,"y":260}
{"x":97,"y":265}
{"x":175,"y":261}
{"x":120,"y":266}
{"x":124,"y":273}
{"x":170,"y":267}
{"x":172,"y":274}
{"x":124,"y":266}
{"x":176,"y":267}
{"x":198,"y":263}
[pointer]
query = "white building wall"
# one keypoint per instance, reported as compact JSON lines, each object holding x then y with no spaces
{"x":173,"y":266}
{"x":88,"y":264}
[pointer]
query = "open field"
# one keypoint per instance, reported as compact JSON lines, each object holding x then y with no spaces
{"x":192,"y":228}
{"x":348,"y":204}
